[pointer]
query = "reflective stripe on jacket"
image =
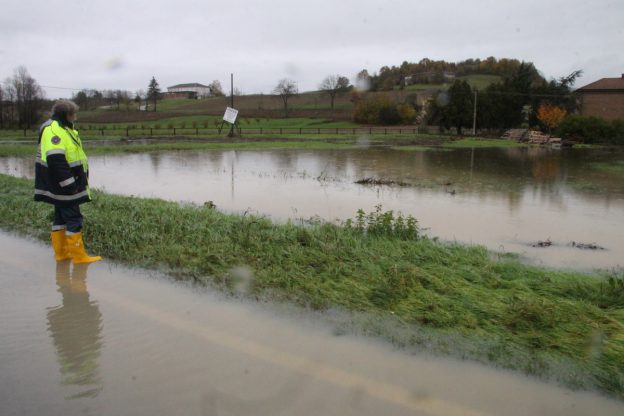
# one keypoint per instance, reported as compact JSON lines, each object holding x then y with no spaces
{"x":61,"y":169}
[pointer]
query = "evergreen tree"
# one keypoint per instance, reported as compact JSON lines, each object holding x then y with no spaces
{"x":153,"y":91}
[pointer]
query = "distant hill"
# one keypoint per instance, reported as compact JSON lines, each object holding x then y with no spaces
{"x":309,"y":104}
{"x":431,"y":72}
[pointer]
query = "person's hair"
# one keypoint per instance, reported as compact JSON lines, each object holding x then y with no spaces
{"x":62,"y":108}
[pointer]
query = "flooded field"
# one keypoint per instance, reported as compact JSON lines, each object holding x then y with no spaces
{"x":103,"y":339}
{"x":506,"y":199}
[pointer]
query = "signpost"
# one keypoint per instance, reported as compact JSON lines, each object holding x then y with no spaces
{"x":230,"y":115}
{"x":230,"y":112}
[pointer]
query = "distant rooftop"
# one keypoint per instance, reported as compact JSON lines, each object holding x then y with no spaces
{"x":605,"y":84}
{"x":193,"y":84}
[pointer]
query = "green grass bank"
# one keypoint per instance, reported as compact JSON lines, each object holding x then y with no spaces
{"x":120,"y":145}
{"x":417,"y":292}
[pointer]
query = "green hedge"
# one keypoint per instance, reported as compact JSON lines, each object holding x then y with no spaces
{"x":592,"y":130}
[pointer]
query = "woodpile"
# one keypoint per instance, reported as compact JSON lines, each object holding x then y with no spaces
{"x":519,"y":135}
{"x":533,"y":137}
{"x":537,"y":137}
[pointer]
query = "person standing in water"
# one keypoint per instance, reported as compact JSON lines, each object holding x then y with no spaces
{"x":61,"y":179}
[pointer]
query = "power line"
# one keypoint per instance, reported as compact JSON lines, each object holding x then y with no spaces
{"x":66,"y":88}
{"x":527,"y":94}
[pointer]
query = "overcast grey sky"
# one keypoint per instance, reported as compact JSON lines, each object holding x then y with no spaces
{"x":117,"y":44}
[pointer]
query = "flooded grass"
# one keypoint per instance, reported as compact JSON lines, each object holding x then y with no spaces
{"x":482,"y":142}
{"x":507,"y":313}
{"x":108,"y":144}
{"x":614,"y":168}
{"x":18,"y":150}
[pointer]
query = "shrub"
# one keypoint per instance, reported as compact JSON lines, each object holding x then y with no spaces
{"x":592,"y":130}
{"x":407,"y":113}
{"x":379,"y":109}
{"x":384,"y":223}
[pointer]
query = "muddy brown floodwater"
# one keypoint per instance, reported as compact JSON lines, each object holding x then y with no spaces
{"x":505,"y":199}
{"x":106,"y":340}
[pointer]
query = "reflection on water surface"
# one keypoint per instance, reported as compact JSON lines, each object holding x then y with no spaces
{"x":75,"y":328}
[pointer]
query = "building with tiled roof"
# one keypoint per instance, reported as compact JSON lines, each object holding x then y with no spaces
{"x":198,"y":90}
{"x":603,"y":98}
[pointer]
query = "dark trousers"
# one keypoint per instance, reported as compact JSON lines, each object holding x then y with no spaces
{"x":68,"y":218}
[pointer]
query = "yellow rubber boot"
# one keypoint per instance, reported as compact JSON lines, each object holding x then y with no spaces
{"x":59,"y":243}
{"x":77,"y":250}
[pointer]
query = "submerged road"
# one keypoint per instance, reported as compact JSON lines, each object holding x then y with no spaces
{"x":104,"y":339}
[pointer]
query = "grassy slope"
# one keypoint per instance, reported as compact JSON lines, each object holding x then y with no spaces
{"x":479,"y":82}
{"x":555,"y":324}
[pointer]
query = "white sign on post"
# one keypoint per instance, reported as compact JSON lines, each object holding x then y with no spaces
{"x":230,"y":115}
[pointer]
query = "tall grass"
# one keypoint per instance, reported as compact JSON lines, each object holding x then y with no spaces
{"x":554,"y":324}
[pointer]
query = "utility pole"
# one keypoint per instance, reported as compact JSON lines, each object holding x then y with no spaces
{"x":474,"y":115}
{"x":231,"y":133}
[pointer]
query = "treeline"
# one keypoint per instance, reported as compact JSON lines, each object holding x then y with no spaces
{"x":514,"y":102}
{"x":428,"y":71}
{"x":21,"y":100}
{"x":90,"y":99}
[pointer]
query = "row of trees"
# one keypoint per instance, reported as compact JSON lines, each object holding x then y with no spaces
{"x":21,"y":100}
{"x":331,"y":84}
{"x":90,"y":99}
{"x":432,"y":71}
{"x":514,"y":102}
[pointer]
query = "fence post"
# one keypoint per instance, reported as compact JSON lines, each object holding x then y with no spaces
{"x":151,"y":131}
{"x":370,"y":130}
{"x":102,"y":130}
{"x":318,"y":131}
{"x":299,"y":130}
{"x":385,"y":131}
{"x":196,"y":131}
{"x":127,"y":132}
{"x":280,"y":130}
{"x":174,"y":131}
{"x":354,"y":131}
{"x":24,"y":132}
{"x":260,"y":130}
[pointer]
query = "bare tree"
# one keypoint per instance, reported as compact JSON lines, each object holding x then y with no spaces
{"x":81,"y":99}
{"x":286,"y":88}
{"x":139,"y":96}
{"x":333,"y":84}
{"x":1,"y":107}
{"x":9,"y":100}
{"x":26,"y":96}
{"x":215,"y":89}
{"x":363,"y":81}
{"x":109,"y":98}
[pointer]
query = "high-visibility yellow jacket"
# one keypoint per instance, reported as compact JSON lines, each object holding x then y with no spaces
{"x":61,"y":169}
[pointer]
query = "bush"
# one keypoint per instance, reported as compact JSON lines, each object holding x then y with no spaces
{"x":381,"y":109}
{"x":592,"y":130}
{"x":407,"y":113}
